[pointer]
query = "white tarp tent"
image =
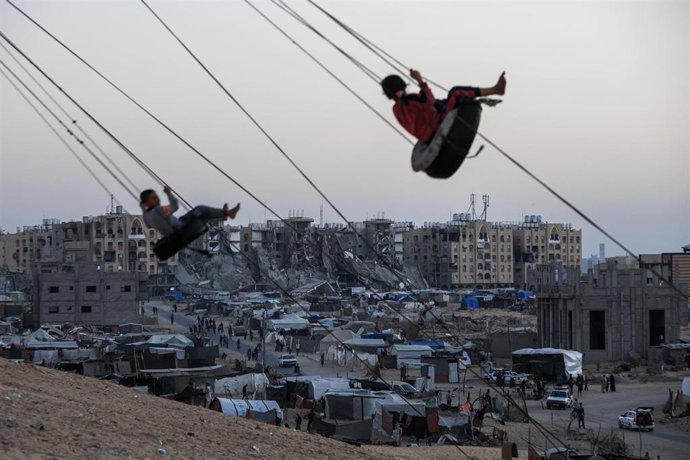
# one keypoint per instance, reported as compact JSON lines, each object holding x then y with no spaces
{"x":240,"y":407}
{"x":233,"y":385}
{"x":291,"y":321}
{"x":41,"y":339}
{"x":571,"y":359}
{"x":172,"y":340}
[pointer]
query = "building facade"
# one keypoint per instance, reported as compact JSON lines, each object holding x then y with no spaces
{"x":117,"y":242}
{"x":83,"y":293}
{"x":620,"y":312}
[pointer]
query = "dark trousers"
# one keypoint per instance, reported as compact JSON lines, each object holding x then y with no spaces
{"x":203,"y":213}
{"x":456,"y":93}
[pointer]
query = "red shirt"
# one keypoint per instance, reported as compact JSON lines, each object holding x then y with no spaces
{"x":416,"y":113}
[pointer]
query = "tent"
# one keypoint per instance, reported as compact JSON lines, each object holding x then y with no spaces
{"x":233,"y":385}
{"x":171,"y":340}
{"x":471,"y":303}
{"x":291,"y":321}
{"x":552,"y":363}
{"x":244,"y":407}
{"x":41,"y":339}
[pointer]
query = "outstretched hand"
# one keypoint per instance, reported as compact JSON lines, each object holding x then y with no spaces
{"x":416,"y":76}
{"x":167,"y":190}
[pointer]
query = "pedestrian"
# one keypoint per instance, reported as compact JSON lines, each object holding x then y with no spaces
{"x":603,"y":383}
{"x":244,"y":391}
{"x":571,"y":382}
{"x":397,"y":434}
{"x":581,"y":417}
{"x":238,"y":344}
{"x":297,"y":348}
{"x":172,"y":318}
{"x":323,"y":359}
{"x":251,"y":335}
{"x":298,"y":422}
{"x":245,"y":335}
{"x":612,"y":383}
{"x":310,"y":420}
{"x":449,"y":400}
{"x":586,"y":381}
{"x":608,"y":382}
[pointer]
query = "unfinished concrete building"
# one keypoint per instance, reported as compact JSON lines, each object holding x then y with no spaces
{"x":617,"y":313}
{"x":85,"y":294}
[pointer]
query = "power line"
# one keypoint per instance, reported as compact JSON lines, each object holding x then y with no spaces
{"x":69,"y":131}
{"x":66,"y":114}
{"x":64,"y":142}
{"x":326,"y":69}
{"x":87,"y":113}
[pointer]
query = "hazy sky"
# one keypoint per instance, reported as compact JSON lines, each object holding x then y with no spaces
{"x":598,"y":105}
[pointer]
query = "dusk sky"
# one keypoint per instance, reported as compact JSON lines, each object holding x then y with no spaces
{"x":598,"y":105}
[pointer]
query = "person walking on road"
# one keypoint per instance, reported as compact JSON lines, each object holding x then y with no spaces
{"x":297,"y":348}
{"x":298,"y":422}
{"x":581,"y":417}
{"x":323,"y":359}
{"x":612,"y":383}
{"x":172,"y":318}
{"x":238,"y":344}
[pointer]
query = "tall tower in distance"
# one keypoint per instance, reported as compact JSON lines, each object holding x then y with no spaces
{"x":602,"y":252}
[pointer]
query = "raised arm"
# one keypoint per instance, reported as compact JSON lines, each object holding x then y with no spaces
{"x":172,"y":200}
{"x":424,"y":90}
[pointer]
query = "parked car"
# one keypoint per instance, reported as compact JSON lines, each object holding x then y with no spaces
{"x":405,"y":389}
{"x":508,"y":377}
{"x":287,"y":361}
{"x":637,"y":419}
{"x":559,"y":398}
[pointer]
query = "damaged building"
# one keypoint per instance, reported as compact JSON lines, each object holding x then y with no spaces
{"x":621,"y":310}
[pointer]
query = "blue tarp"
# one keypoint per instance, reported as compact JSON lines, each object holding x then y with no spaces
{"x":470,"y":303}
{"x":429,"y":343}
{"x":378,"y":335}
{"x":525,"y":294}
{"x":401,"y":297}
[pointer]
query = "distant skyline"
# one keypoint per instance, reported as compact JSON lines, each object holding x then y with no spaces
{"x":598,"y":105}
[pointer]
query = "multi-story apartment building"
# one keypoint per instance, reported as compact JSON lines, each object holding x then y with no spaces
{"x":117,"y":242}
{"x":462,"y":253}
{"x":544,"y":243}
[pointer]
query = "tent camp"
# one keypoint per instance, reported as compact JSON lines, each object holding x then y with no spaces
{"x":549,"y":363}
{"x":410,"y":354}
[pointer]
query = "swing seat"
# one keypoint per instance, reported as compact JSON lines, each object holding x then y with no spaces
{"x":170,"y":245}
{"x":446,"y":151}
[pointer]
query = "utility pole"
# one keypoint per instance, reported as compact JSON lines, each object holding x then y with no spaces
{"x":263,"y":343}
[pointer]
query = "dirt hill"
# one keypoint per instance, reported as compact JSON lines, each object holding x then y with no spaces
{"x":51,"y":414}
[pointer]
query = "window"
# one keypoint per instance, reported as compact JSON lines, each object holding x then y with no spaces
{"x":53,"y":310}
{"x":91,"y":289}
{"x":86,"y":308}
{"x":54,"y":289}
{"x":597,"y":329}
{"x":657,"y":327}
{"x":126,"y":288}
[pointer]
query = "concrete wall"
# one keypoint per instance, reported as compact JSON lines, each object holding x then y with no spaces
{"x":87,"y":295}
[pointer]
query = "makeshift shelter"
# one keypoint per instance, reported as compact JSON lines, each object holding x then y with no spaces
{"x":337,"y":336}
{"x":470,"y":303}
{"x":42,"y":339}
{"x":291,"y":321}
{"x":170,"y":340}
{"x":410,"y":354}
{"x":233,"y":385}
{"x":548,"y":363}
{"x":259,"y":410}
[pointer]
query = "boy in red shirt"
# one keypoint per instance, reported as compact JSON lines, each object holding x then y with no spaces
{"x":421,"y":114}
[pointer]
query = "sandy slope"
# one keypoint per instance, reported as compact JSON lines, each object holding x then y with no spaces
{"x":50,"y":414}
